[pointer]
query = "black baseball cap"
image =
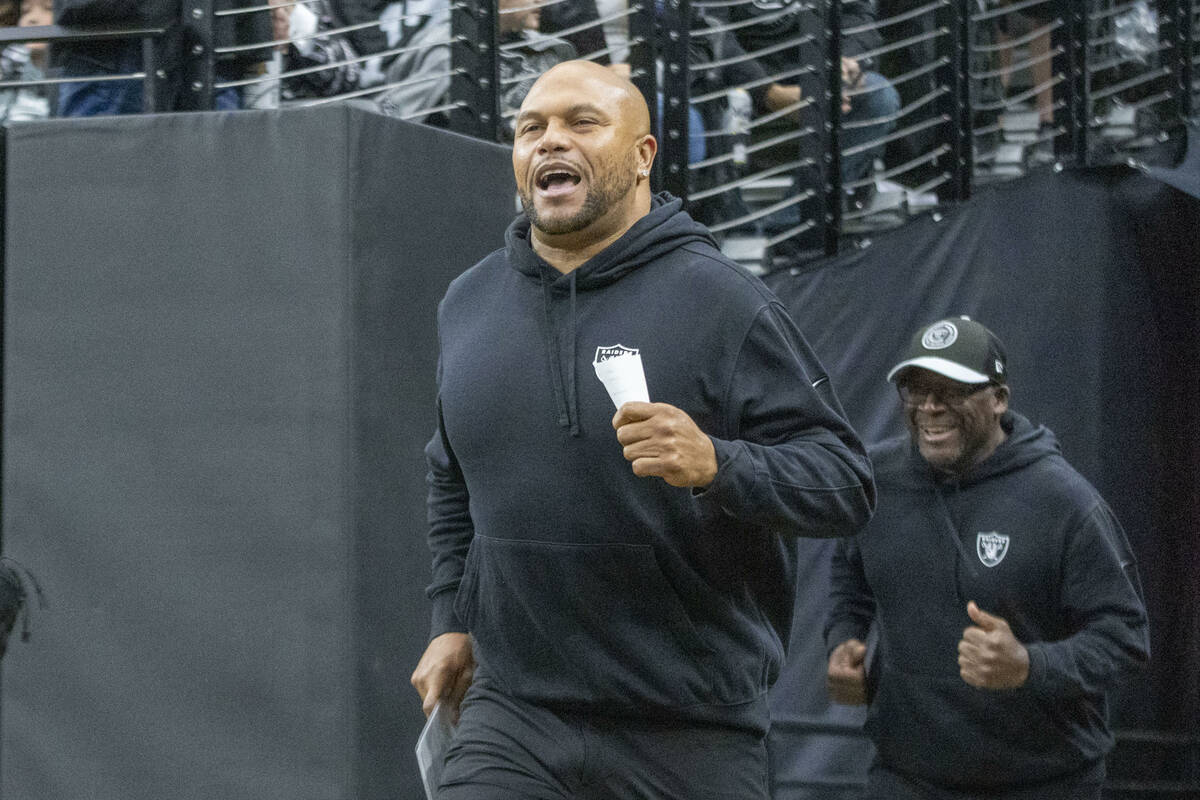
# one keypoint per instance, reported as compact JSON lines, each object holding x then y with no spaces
{"x":959,"y":348}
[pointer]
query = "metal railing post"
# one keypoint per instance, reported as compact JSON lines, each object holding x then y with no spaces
{"x":673,"y":149}
{"x":1077,"y":84}
{"x":200,"y":25}
{"x":958,"y":102}
{"x":154,"y":64}
{"x":1185,"y":50}
{"x":475,"y":87}
{"x":832,"y":218}
{"x":642,"y":71}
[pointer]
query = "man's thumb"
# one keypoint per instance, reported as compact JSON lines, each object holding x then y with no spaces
{"x":982,"y":618}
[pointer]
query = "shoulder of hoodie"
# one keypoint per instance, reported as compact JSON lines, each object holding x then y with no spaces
{"x":481,"y":270}
{"x":1057,"y":484}
{"x":892,"y":460}
{"x":1051,"y":477}
{"x":705,"y":263}
{"x":734,"y":281}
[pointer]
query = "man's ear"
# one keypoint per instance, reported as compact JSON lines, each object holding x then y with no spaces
{"x":1002,"y":395}
{"x":647,"y":148}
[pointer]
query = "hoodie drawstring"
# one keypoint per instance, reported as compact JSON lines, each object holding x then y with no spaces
{"x":964,"y":560}
{"x":567,"y":396}
{"x":572,"y":327}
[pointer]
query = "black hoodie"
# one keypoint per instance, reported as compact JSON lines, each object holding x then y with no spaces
{"x":1028,"y":539}
{"x":587,"y":586}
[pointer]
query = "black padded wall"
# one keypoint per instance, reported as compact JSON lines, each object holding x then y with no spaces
{"x":218,"y":376}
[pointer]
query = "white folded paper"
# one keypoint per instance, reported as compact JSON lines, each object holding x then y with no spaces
{"x":432,"y":745}
{"x":619,"y":368}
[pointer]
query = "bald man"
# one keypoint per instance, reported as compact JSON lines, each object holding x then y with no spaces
{"x":612,"y":593}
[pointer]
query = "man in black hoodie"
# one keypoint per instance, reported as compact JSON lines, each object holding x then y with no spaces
{"x":613,"y":593}
{"x":1003,"y":594}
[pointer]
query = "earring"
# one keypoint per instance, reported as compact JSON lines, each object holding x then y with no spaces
{"x":645,"y":173}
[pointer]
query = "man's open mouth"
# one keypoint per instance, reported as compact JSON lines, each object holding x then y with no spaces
{"x":557,"y":178}
{"x":935,"y":432}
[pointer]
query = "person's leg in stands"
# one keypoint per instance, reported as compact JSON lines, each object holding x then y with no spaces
{"x":871,"y":117}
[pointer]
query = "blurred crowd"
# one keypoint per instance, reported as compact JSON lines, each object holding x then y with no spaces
{"x":759,"y":109}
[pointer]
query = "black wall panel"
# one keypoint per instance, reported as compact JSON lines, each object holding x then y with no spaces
{"x":218,"y":377}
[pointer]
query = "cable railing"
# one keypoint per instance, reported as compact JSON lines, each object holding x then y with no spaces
{"x":800,"y":125}
{"x":143,"y":75}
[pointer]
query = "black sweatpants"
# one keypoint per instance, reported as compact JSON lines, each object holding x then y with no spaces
{"x":505,"y":749}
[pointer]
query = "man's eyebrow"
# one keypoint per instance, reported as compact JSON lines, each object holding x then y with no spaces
{"x":585,"y":108}
{"x":572,"y":111}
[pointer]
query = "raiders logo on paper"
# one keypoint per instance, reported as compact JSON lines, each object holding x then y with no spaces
{"x":991,"y":547}
{"x":939,"y":336}
{"x":614,"y":351}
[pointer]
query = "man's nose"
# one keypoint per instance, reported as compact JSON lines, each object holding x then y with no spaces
{"x":554,"y":137}
{"x":931,"y":402}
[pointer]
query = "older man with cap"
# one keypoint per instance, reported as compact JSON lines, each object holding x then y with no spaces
{"x":991,"y":602}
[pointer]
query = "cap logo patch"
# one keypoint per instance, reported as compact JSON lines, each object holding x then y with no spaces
{"x":991,"y":547}
{"x":939,"y":336}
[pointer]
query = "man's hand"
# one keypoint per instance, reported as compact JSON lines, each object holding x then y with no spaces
{"x":852,"y":76}
{"x":782,"y":95}
{"x":444,"y":672}
{"x":662,"y":440}
{"x":989,"y":656}
{"x":847,"y":675}
{"x":280,"y":21}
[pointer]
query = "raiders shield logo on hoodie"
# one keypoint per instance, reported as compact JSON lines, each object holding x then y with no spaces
{"x":991,"y":547}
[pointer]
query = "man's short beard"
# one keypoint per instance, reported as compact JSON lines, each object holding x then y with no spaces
{"x":594,"y":206}
{"x":601,"y":197}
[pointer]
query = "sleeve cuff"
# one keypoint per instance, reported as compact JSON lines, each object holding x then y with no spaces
{"x":715,"y":494}
{"x":445,"y":620}
{"x":843,"y":632}
{"x":1039,"y":680}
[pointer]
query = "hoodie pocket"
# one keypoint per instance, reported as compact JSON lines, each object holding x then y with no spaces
{"x":582,"y":623}
{"x":965,"y":736}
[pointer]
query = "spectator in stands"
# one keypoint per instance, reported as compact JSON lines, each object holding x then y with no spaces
{"x":1022,"y":25}
{"x":24,"y":62}
{"x":525,"y":53}
{"x":730,"y":68}
{"x":124,"y":56}
{"x":870,"y":101}
{"x":36,"y":13}
{"x":920,"y":52}
{"x":316,"y":62}
{"x":422,"y":28}
{"x":524,"y":56}
{"x":578,"y":21}
{"x":368,"y":40}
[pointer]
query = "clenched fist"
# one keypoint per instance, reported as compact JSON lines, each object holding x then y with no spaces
{"x":989,"y":656}
{"x":662,"y":440}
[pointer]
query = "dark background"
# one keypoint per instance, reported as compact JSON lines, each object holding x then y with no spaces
{"x":219,"y":352}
